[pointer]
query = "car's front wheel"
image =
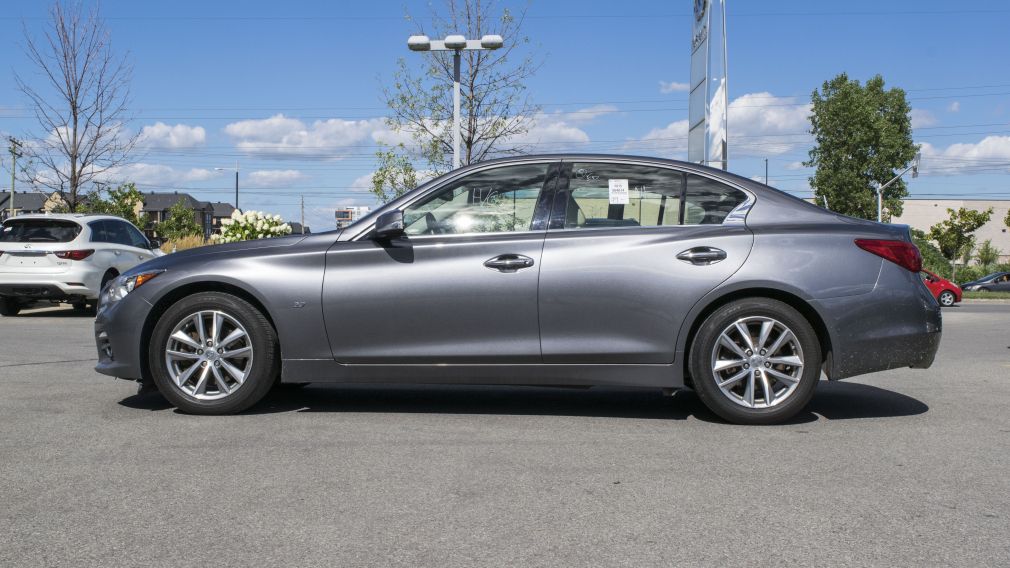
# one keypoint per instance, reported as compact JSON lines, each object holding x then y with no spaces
{"x":213,"y":353}
{"x":947,"y":298}
{"x":755,"y":361}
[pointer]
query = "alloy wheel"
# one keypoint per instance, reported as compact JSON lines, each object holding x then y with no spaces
{"x":209,"y":355}
{"x":947,"y":299}
{"x":757,"y":362}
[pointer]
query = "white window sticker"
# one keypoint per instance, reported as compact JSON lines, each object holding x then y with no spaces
{"x":618,"y":191}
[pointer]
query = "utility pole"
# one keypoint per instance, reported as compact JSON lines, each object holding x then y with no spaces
{"x":15,"y":150}
{"x":766,"y":171}
{"x":303,"y":214}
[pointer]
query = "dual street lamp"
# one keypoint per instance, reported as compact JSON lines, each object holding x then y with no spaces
{"x":457,"y":44}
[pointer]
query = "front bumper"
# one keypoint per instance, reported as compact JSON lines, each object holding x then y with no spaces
{"x":119,"y":330}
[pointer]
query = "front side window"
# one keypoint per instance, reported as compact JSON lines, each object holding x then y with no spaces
{"x":622,"y":195}
{"x":709,"y":202}
{"x":500,"y":200}
{"x":137,"y":239}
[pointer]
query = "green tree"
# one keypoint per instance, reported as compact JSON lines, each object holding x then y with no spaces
{"x":932,"y":259}
{"x":956,"y":234}
{"x":863,"y":138}
{"x":494,"y":105}
{"x":394,"y":176}
{"x":179,"y":223}
{"x":987,"y":254}
{"x":124,"y":200}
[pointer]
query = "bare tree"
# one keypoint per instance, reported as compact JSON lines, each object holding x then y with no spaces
{"x":496,"y":109}
{"x":80,"y":104}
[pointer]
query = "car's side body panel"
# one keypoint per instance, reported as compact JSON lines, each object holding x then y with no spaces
{"x":430,"y":299}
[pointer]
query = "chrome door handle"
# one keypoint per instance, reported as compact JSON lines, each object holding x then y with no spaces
{"x":702,"y":255}
{"x":509,"y":262}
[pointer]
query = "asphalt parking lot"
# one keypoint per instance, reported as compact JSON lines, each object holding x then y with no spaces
{"x":899,"y":468}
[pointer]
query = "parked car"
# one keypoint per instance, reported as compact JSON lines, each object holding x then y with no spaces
{"x":541,"y":270}
{"x":996,"y":282}
{"x":945,"y":291}
{"x":65,"y":258}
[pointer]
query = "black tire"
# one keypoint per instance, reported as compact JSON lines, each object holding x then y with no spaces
{"x":946,"y":298}
{"x":265,"y":364}
{"x":704,"y":378}
{"x":9,"y":307}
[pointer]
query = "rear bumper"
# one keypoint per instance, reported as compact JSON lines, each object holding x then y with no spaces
{"x":61,"y":286}
{"x":898,"y":324}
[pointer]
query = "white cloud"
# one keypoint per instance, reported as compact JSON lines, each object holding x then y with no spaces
{"x":156,"y":174}
{"x":273,"y":178}
{"x":989,"y":155}
{"x":280,"y":136}
{"x":760,"y":124}
{"x":954,"y":107}
{"x":161,"y":135}
{"x":922,"y":118}
{"x":795,"y":166}
{"x":673,"y":87}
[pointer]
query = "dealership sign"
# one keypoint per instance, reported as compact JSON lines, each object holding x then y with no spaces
{"x":708,"y":103}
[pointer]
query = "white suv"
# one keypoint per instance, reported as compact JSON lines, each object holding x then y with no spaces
{"x":65,"y":258}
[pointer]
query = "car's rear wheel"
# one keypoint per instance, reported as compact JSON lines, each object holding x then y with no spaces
{"x":947,"y":298}
{"x":9,"y":307}
{"x":213,"y":353}
{"x":755,"y":361}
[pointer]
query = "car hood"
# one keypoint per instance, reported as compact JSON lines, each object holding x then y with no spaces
{"x":200,"y":253}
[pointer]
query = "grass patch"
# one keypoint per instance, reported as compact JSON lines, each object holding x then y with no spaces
{"x":987,"y":295}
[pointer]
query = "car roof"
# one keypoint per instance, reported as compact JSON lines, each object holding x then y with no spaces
{"x":78,"y":217}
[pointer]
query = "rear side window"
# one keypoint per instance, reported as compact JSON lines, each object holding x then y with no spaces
{"x":39,"y":231}
{"x":604,"y":195}
{"x":708,"y":202}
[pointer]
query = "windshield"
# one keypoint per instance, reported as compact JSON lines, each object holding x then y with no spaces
{"x":39,"y":231}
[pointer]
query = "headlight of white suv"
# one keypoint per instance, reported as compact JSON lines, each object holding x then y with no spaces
{"x":123,"y":285}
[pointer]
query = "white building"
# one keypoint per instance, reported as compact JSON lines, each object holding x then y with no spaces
{"x":923,"y":213}
{"x":348,"y":215}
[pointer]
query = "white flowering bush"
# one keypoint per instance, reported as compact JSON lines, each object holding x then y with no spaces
{"x":252,"y":225}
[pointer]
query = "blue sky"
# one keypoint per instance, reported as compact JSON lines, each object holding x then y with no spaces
{"x":216,"y":82}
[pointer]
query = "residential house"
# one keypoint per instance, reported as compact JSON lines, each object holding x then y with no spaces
{"x":296,"y":228}
{"x":27,"y":202}
{"x":156,"y":205}
{"x":219,"y":212}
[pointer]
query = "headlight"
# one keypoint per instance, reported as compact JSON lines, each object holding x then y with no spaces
{"x":123,"y":285}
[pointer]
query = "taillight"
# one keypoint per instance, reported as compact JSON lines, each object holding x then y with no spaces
{"x":74,"y":254}
{"x":904,"y":254}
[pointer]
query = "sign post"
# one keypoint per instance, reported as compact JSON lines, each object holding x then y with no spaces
{"x":707,"y":136}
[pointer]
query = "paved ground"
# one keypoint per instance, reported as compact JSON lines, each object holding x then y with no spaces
{"x":899,"y":468}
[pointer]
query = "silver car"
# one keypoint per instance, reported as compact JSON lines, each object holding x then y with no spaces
{"x":542,"y":270}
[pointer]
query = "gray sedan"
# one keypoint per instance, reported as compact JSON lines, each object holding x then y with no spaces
{"x":572,"y":270}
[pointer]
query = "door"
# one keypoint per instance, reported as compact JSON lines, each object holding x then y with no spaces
{"x":459,"y":287}
{"x":630,"y":249}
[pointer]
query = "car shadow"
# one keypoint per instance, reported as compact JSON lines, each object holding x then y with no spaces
{"x":832,"y":401}
{"x":55,"y":312}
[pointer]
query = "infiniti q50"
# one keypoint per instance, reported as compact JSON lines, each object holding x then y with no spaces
{"x":556,"y":270}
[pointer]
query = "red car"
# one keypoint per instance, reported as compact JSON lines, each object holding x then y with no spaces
{"x":946,"y":292}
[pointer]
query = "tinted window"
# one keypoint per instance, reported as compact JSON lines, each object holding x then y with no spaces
{"x":622,"y":195}
{"x":118,"y":233}
{"x":492,"y":201}
{"x":137,"y":239}
{"x":708,"y":201}
{"x":99,"y":232}
{"x":39,"y":231}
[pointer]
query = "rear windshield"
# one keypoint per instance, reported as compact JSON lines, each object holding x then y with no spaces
{"x":39,"y":231}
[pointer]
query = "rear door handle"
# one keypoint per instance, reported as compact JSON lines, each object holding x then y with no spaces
{"x":509,"y":262}
{"x":702,"y":255}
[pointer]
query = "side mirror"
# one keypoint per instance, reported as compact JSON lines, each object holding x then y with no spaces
{"x":389,"y":225}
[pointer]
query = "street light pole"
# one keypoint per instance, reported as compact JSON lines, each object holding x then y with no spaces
{"x":236,"y":180}
{"x":15,"y":149}
{"x":457,"y":44}
{"x":880,"y":188}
